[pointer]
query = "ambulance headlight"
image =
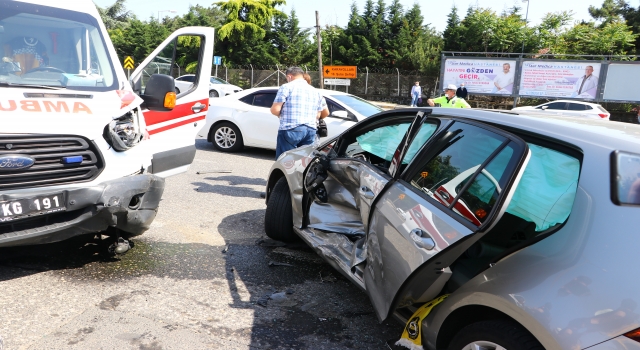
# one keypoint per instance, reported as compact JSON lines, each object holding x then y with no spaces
{"x":123,"y":133}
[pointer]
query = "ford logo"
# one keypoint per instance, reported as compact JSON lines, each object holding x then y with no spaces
{"x":15,"y":162}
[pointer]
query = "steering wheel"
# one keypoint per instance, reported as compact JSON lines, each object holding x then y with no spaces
{"x":45,"y":69}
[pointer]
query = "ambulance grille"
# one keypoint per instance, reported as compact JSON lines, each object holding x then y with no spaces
{"x":48,"y":153}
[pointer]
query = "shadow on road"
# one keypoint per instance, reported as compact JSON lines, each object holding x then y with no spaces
{"x":299,"y":301}
{"x":233,"y":188}
{"x":247,"y":152}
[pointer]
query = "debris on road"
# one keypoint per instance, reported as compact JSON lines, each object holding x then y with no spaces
{"x":309,"y":305}
{"x":275,"y":263}
{"x":226,"y":249}
{"x":327,"y":278}
{"x":214,"y":172}
{"x":267,"y":242}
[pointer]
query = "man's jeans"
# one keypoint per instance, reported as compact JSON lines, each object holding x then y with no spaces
{"x":301,"y":135}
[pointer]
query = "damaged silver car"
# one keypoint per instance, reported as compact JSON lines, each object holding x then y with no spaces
{"x":479,"y":229}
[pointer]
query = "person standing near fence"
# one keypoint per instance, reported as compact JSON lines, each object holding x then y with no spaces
{"x":297,"y":104}
{"x":416,"y":92}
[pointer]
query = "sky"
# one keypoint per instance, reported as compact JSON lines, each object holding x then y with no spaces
{"x":336,"y":12}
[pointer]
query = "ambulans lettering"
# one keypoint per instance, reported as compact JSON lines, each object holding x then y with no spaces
{"x":44,"y":106}
{"x":7,"y":106}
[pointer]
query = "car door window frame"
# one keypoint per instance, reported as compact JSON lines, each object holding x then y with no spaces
{"x":350,"y":116}
{"x":428,"y":152}
{"x":343,"y":143}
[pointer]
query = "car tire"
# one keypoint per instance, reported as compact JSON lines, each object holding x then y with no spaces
{"x":226,"y":137}
{"x":494,"y":334}
{"x":177,"y":91}
{"x":213,"y":93}
{"x":278,"y":219}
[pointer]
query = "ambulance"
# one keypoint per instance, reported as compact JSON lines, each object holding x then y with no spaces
{"x":85,"y":146}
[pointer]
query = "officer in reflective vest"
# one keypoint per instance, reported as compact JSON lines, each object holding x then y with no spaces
{"x":449,"y":100}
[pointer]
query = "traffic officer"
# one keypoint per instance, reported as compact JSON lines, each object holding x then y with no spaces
{"x":449,"y":100}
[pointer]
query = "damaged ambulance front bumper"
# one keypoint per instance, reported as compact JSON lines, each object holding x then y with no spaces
{"x":129,"y":204}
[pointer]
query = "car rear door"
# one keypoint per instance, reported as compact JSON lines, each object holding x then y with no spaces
{"x":258,"y":126}
{"x":172,"y":133}
{"x":452,"y":192}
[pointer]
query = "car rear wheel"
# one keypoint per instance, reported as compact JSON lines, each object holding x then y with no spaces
{"x":177,"y":91}
{"x":226,"y":137}
{"x":278,"y":219}
{"x":213,"y":93}
{"x":494,"y":335}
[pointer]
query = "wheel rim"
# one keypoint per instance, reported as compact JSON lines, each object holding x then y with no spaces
{"x":213,"y":94}
{"x":225,"y":137}
{"x":483,"y":345}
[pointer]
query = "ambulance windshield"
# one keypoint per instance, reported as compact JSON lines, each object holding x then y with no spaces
{"x":52,"y":48}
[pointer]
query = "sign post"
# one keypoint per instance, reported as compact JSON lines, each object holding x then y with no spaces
{"x":344,"y":73}
{"x":128,"y":65}
{"x":217,"y":60}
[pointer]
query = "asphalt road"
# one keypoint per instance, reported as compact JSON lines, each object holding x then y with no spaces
{"x":203,"y":277}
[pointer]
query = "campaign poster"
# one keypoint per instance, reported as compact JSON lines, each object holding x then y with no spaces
{"x":480,"y":76}
{"x":560,"y":79}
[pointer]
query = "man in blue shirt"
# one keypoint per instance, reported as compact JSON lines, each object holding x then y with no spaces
{"x":298,"y":105}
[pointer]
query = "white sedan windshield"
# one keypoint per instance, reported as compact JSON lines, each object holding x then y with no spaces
{"x":50,"y":47}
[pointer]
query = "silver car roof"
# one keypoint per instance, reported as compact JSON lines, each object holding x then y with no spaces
{"x":584,"y":133}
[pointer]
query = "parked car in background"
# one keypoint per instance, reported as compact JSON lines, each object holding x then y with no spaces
{"x":521,"y":228}
{"x":245,"y":119}
{"x":570,"y":109}
{"x":217,"y":86}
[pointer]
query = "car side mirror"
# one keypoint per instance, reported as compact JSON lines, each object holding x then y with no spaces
{"x":160,"y":93}
{"x":340,"y":114}
{"x":544,"y":107}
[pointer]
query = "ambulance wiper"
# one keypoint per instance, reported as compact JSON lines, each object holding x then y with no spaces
{"x":32,"y":86}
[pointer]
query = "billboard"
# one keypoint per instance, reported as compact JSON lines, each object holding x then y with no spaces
{"x":621,"y":81}
{"x":481,"y":76}
{"x":568,"y":79}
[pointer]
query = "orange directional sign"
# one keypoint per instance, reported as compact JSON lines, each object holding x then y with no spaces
{"x":345,"y":72}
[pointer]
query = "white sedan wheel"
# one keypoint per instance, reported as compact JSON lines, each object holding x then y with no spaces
{"x":225,"y":137}
{"x":483,"y":345}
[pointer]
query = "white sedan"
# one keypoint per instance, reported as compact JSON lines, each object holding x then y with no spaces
{"x":570,"y":109}
{"x":244,"y":118}
{"x":217,"y":86}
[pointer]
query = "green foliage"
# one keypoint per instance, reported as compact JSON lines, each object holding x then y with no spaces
{"x":383,"y":35}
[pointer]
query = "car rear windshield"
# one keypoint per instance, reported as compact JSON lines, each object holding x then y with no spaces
{"x":625,"y":178}
{"x":602,"y":109}
{"x":359,"y":105}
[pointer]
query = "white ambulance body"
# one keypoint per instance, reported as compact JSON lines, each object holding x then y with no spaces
{"x":83,"y":148}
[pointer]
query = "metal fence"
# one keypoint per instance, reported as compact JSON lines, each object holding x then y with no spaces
{"x":386,"y":85}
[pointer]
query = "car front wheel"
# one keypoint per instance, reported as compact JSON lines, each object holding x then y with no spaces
{"x":278,"y":219}
{"x":494,"y":335}
{"x":226,"y":137}
{"x":213,"y":93}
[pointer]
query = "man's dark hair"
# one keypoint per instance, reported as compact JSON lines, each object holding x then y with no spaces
{"x":295,"y":71}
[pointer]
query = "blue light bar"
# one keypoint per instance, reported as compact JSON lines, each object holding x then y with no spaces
{"x":72,"y":160}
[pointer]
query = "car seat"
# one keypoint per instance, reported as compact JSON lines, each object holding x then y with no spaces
{"x":29,"y":52}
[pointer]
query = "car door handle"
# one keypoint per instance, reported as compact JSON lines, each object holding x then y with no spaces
{"x":366,"y":192}
{"x":422,"y":239}
{"x":196,"y":108}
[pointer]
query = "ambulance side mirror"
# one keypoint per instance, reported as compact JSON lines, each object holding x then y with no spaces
{"x":156,"y":92}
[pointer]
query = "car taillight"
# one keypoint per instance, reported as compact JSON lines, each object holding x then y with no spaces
{"x":634,"y":335}
{"x":602,"y":115}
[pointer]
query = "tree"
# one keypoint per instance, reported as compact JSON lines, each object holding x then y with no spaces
{"x":247,"y":19}
{"x":610,"y":11}
{"x":115,"y":16}
{"x":291,"y":42}
{"x":454,"y":32}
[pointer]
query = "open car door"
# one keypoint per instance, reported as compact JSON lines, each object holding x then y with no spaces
{"x":451,"y":193}
{"x":172,"y":132}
